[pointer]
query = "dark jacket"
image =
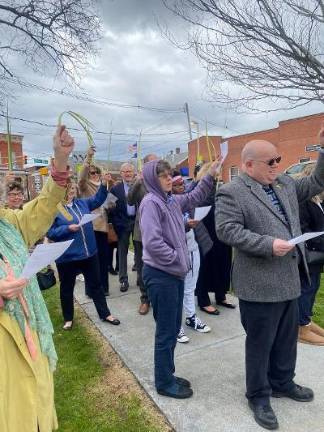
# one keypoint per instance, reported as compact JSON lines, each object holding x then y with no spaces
{"x":135,"y":195}
{"x":312,"y":220}
{"x":118,"y":216}
{"x":84,"y":245}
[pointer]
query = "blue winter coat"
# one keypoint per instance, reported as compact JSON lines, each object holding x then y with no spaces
{"x":84,"y":245}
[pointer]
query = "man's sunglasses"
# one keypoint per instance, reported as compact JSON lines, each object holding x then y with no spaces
{"x":93,"y":172}
{"x":272,"y":161}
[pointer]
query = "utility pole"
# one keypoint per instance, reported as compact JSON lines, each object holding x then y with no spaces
{"x":9,"y":142}
{"x":139,"y":152}
{"x":186,"y":109}
{"x":109,"y":145}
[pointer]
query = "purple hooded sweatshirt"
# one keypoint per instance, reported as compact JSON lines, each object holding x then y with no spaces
{"x":161,"y":222}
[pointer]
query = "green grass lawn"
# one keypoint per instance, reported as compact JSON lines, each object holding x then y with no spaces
{"x":94,"y":392}
{"x":319,"y":306}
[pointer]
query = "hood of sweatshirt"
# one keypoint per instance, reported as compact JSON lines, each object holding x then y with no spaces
{"x":151,"y":180}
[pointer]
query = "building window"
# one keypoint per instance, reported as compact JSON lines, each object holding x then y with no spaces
{"x":234,"y":172}
{"x":301,"y":160}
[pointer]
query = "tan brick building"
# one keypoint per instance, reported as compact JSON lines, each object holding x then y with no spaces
{"x":296,"y":140}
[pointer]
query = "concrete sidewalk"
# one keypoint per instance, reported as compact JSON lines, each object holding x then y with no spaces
{"x":213,"y":362}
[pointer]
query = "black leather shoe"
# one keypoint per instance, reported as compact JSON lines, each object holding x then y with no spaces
{"x":113,"y":272}
{"x":124,"y":286}
{"x":176,"y":391}
{"x":297,"y":393}
{"x":114,"y":321}
{"x":264,"y":416}
{"x":182,"y":381}
{"x":214,"y":312}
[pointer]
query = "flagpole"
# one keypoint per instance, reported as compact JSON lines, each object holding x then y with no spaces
{"x":139,"y":152}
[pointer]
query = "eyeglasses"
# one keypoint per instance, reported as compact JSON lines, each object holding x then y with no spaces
{"x":93,"y":172}
{"x":127,"y":172}
{"x":165,"y":176}
{"x":270,"y":162}
{"x":15,"y":194}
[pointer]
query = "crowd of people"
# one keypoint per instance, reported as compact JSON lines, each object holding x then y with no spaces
{"x":242,"y":242}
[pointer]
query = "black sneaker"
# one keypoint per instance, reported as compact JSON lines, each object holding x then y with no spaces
{"x":182,"y":381}
{"x":264,"y":416}
{"x":176,"y":391}
{"x":297,"y":393}
{"x":124,"y":286}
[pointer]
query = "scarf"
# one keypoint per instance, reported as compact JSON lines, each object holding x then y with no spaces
{"x":13,"y":247}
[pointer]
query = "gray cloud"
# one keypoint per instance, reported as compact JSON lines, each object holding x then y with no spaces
{"x":136,"y":65}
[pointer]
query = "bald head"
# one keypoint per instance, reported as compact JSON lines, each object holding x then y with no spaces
{"x":150,"y":157}
{"x":256,"y":149}
{"x":260,"y":160}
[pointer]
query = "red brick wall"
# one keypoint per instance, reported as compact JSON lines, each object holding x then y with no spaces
{"x":291,"y":137}
{"x":16,"y":141}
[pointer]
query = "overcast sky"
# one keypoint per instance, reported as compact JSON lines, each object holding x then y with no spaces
{"x":136,"y":66}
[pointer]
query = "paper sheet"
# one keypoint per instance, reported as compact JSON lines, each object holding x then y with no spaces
{"x":201,"y":212}
{"x":42,"y":256}
{"x":224,"y":150}
{"x":89,"y":217}
{"x":305,"y":237}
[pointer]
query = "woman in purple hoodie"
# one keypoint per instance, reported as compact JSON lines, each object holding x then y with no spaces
{"x":166,"y":263}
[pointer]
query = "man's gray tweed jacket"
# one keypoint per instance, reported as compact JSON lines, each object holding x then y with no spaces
{"x":246,"y":219}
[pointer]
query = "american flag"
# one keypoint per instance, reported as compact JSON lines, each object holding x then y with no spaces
{"x":133,"y":150}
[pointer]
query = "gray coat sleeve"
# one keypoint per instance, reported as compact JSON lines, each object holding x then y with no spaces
{"x":231,"y":228}
{"x":308,"y":187}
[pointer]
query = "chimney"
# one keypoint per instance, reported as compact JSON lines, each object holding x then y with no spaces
{"x":178,"y":150}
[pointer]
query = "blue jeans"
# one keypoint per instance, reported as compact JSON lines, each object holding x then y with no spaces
{"x":307,"y":298}
{"x":166,"y":296}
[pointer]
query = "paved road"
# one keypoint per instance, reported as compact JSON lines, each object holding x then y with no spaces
{"x":213,"y":362}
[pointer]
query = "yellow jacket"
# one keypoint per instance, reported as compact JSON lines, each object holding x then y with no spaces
{"x":26,"y":386}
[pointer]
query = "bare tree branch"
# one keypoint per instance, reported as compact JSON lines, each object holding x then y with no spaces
{"x":257,"y":49}
{"x":56,"y":34}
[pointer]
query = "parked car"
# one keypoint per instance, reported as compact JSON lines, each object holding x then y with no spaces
{"x":298,"y":167}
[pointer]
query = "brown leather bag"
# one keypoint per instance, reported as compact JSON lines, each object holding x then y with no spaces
{"x":111,"y":234}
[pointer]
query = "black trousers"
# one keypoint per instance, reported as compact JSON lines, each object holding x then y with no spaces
{"x":138,"y":248}
{"x":123,"y":246}
{"x":270,"y":347}
{"x":90,"y":269}
{"x":103,"y":255}
{"x":112,"y":247}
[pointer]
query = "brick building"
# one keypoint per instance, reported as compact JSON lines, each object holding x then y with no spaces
{"x":296,"y":140}
{"x":17,"y":152}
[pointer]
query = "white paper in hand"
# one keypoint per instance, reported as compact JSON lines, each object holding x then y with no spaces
{"x":305,"y":237}
{"x":89,"y":217}
{"x":42,"y":256}
{"x":224,"y":150}
{"x":201,"y":212}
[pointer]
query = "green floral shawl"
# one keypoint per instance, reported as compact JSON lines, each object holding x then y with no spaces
{"x":13,"y":247}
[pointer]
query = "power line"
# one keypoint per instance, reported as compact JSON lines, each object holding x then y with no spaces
{"x":87,"y":98}
{"x":96,"y":132}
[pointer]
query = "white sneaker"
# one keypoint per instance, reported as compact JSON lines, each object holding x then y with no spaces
{"x":182,"y":337}
{"x":196,"y":324}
